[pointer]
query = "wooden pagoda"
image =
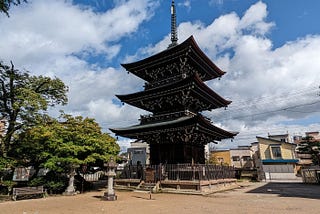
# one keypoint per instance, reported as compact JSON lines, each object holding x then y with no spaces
{"x":175,"y":94}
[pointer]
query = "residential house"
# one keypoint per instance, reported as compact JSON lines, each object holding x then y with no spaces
{"x":138,"y":151}
{"x":277,"y":158}
{"x":241,"y":157}
{"x":280,"y":137}
{"x":297,"y":139}
{"x":305,"y":159}
{"x":221,"y":156}
{"x":314,"y":135}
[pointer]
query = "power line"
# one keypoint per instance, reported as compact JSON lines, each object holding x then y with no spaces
{"x":278,"y":110}
{"x":263,"y":102}
{"x":267,"y":99}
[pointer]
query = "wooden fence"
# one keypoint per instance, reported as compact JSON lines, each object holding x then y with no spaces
{"x":186,"y":172}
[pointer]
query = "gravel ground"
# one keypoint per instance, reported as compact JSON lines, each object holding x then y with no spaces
{"x":250,"y":198}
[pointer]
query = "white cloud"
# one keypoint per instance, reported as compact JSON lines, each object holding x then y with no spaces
{"x":268,"y":86}
{"x":41,"y":29}
{"x":124,"y":144}
{"x":55,"y":37}
{"x":254,"y":19}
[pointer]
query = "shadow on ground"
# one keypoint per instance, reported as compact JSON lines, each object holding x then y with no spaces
{"x":300,"y":190}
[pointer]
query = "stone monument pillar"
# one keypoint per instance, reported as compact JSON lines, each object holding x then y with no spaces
{"x":110,"y":195}
{"x":70,"y":189}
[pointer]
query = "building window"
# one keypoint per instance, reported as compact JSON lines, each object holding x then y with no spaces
{"x":137,"y":152}
{"x":276,"y":152}
{"x":235,"y":158}
{"x":246,"y":158}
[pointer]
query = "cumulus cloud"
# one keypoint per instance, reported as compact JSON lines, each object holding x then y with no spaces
{"x":34,"y":32}
{"x":268,"y":85}
{"x":57,"y":38}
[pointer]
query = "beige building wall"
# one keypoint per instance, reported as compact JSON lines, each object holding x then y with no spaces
{"x":241,"y":157}
{"x":221,"y":157}
{"x":265,"y":147}
{"x":287,"y":151}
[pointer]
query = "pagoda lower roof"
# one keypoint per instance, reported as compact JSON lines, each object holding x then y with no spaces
{"x":195,"y":125}
{"x":188,"y":93}
{"x":188,"y":49}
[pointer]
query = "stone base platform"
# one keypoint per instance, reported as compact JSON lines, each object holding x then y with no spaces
{"x":181,"y":186}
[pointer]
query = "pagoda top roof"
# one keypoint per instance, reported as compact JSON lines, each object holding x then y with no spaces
{"x":188,"y":48}
{"x":201,"y":124}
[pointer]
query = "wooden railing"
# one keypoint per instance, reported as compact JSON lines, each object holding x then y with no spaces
{"x":186,"y":172}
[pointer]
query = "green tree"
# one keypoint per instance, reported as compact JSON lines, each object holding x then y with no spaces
{"x":62,"y":145}
{"x":76,"y":141}
{"x":309,"y":145}
{"x":24,"y":98}
{"x":6,"y":4}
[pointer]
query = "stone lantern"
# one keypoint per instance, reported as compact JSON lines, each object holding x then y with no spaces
{"x":71,"y":189}
{"x":110,"y":166}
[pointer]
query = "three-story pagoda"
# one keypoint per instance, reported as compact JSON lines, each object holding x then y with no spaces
{"x":175,"y":94}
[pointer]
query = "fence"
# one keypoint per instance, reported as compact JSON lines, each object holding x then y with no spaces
{"x":279,"y":172}
{"x":93,"y":177}
{"x":278,"y":168}
{"x":311,"y":176}
{"x":178,"y":172}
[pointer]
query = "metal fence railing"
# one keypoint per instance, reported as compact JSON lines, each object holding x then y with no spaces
{"x":311,"y":176}
{"x":177,"y":172}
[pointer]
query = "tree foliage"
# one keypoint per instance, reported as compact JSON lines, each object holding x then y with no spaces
{"x":6,"y":4}
{"x":69,"y":141}
{"x":309,"y":145}
{"x":24,"y":98}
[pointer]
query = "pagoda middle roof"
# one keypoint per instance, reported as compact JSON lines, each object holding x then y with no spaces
{"x":187,"y":48}
{"x":193,"y":84}
{"x":201,"y":124}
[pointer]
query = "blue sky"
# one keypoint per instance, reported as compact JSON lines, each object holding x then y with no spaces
{"x":269,"y":49}
{"x":294,"y":18}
